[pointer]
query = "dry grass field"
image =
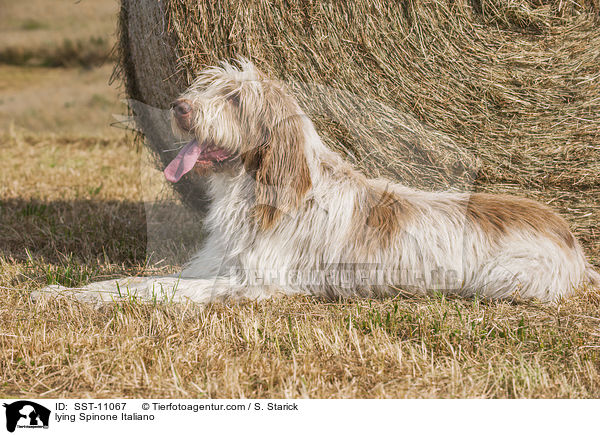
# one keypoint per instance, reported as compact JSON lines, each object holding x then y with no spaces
{"x":72,"y":211}
{"x":55,"y":69}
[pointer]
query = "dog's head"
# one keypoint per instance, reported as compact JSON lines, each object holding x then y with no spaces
{"x":236,"y":119}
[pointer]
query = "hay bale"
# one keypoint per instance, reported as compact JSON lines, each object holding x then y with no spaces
{"x":503,"y":93}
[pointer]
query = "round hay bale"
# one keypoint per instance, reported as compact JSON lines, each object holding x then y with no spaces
{"x":434,"y":94}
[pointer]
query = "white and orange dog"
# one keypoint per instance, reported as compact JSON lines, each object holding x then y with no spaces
{"x":289,"y":216}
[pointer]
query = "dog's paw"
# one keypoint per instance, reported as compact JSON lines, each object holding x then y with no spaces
{"x":91,"y":293}
{"x":48,"y":292}
{"x":54,"y":292}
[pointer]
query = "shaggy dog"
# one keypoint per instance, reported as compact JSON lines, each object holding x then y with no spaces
{"x":289,"y":215}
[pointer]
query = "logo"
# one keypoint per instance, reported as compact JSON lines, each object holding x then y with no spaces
{"x":26,"y":414}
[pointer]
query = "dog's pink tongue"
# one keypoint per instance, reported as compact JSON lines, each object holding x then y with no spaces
{"x":183,"y":162}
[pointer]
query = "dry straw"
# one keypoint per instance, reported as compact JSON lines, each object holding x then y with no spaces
{"x":501,"y":95}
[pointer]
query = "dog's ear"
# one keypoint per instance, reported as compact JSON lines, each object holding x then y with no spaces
{"x":278,"y":163}
{"x":282,"y":177}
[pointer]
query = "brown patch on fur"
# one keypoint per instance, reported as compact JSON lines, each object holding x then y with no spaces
{"x":498,"y":214}
{"x":386,"y":214}
{"x":278,"y":164}
{"x":383,"y":217}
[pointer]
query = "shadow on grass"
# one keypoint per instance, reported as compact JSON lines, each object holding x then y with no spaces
{"x":73,"y":242}
{"x":84,"y":229}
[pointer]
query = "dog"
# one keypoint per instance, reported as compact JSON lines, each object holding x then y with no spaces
{"x":291,"y":216}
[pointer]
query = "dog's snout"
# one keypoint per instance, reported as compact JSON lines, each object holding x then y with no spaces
{"x":182,"y":112}
{"x":181,"y":107}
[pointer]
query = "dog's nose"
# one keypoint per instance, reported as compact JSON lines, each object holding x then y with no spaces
{"x":181,"y":107}
{"x":182,"y":111}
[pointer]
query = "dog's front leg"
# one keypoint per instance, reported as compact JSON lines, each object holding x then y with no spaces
{"x":162,"y":290}
{"x":102,"y":291}
{"x":210,"y":261}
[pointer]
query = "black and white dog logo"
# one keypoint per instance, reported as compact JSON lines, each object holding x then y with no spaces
{"x":26,"y":414}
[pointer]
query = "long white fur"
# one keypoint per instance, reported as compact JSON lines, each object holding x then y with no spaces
{"x":311,"y":247}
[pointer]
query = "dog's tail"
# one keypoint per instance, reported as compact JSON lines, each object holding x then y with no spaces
{"x":592,"y":277}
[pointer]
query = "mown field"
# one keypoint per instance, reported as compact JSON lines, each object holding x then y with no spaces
{"x":72,"y":211}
